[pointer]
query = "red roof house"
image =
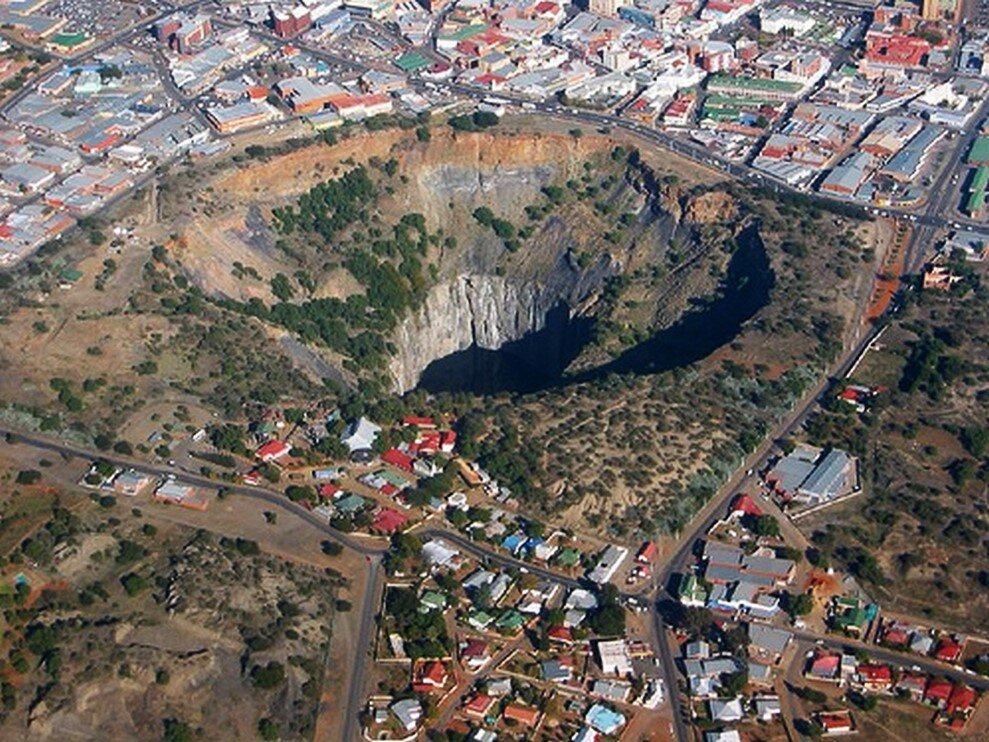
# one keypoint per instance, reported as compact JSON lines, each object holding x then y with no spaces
{"x":874,"y":677}
{"x":431,"y":677}
{"x":398,"y":459}
{"x":896,"y":636}
{"x":479,"y":706}
{"x":938,"y":692}
{"x":273,"y":450}
{"x":948,"y":649}
{"x":825,"y":667}
{"x":647,"y":553}
{"x":962,"y":700}
{"x":428,"y":442}
{"x":742,"y":504}
{"x":522,"y":714}
{"x":448,"y":440}
{"x":328,"y":490}
{"x":561,"y":634}
{"x":388,"y":520}
{"x":475,"y":653}
{"x":835,"y":722}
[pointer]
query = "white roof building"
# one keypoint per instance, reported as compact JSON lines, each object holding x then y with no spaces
{"x":360,"y":434}
{"x":613,"y":656}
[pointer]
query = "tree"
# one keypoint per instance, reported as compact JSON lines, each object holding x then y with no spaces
{"x":133,"y":584}
{"x":762,"y":525}
{"x":812,"y":695}
{"x":228,"y":437}
{"x":176,"y":731}
{"x":484,"y":215}
{"x":267,"y":729}
{"x":797,"y":605}
{"x":608,"y":620}
{"x":28,"y":476}
{"x":331,"y":548}
{"x":281,"y":287}
{"x":268,"y":676}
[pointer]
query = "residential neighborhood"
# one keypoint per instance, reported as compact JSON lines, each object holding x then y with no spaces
{"x":752,"y":595}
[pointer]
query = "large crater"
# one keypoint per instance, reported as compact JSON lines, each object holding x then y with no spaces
{"x":611,"y":263}
{"x":485,"y":333}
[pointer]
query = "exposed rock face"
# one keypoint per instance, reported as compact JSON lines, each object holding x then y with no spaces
{"x":488,"y":311}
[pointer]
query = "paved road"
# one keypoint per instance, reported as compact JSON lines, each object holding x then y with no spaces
{"x":892,"y":657}
{"x":267,"y":496}
{"x":362,"y":652}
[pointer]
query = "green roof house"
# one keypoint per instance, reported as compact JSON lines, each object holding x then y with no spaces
{"x":432,"y":600}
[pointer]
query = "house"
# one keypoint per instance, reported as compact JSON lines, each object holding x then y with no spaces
{"x":525,"y":715}
{"x":874,"y":677}
{"x":759,"y":673}
{"x":479,"y":706}
{"x":408,"y":712}
{"x":697,"y":650}
{"x":939,"y":278}
{"x":514,"y":542}
{"x":691,"y":592}
{"x":849,"y":615}
{"x":560,"y":635}
{"x":914,"y":686}
{"x":611,"y":690}
{"x":438,"y":554}
{"x":938,"y":692}
{"x":608,"y":563}
{"x":360,"y":435}
{"x":328,"y":490}
{"x":948,"y":649}
{"x":350,"y":503}
{"x":568,"y":558}
{"x":723,"y":735}
{"x":825,"y":667}
{"x":726,"y":709}
{"x":510,"y":622}
{"x":647,"y":553}
{"x":499,"y":687}
{"x":557,"y":671}
{"x":835,"y":722}
{"x":742,"y":505}
{"x":961,"y":701}
{"x":398,"y":459}
{"x":479,"y":620}
{"x":475,"y":654}
{"x":430,"y":677}
{"x":388,"y":520}
{"x":431,"y":600}
{"x":131,"y":482}
{"x":613,"y":657}
{"x":767,"y":708}
{"x":499,"y":586}
{"x":604,"y":719}
{"x":273,"y":450}
{"x":921,"y":642}
{"x":767,"y":642}
{"x":177,"y":493}
{"x":424,"y":423}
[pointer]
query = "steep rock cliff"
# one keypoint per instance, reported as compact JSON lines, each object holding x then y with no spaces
{"x":489,"y":311}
